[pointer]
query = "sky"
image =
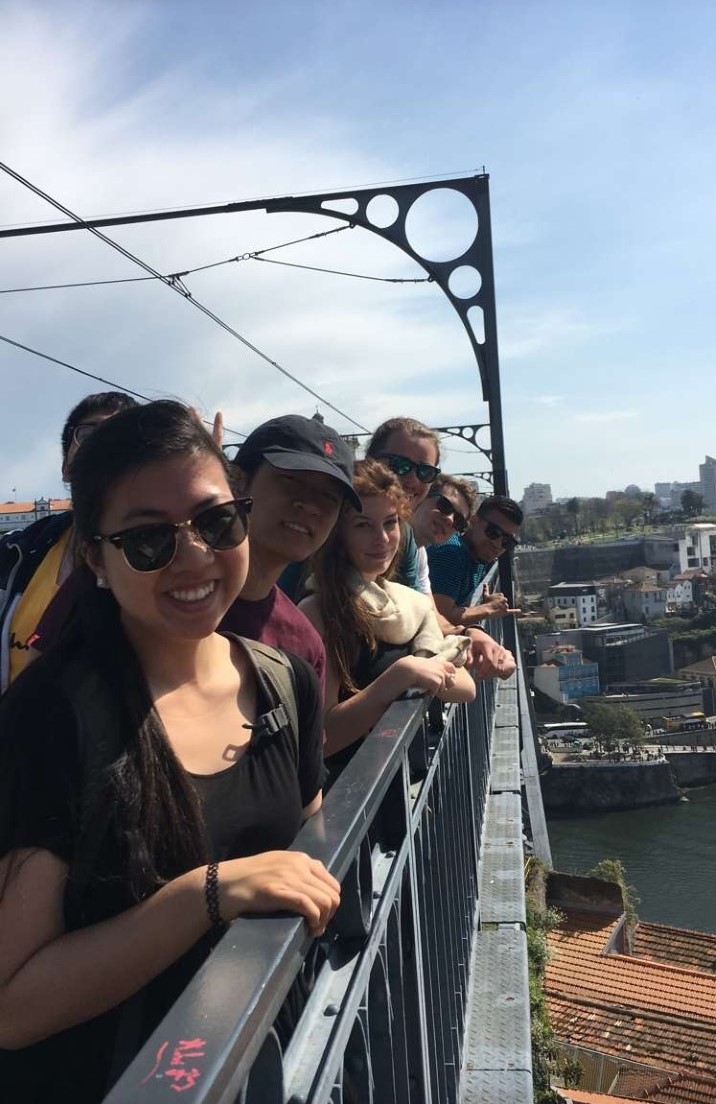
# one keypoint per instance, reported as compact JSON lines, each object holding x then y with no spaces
{"x":595,"y":122}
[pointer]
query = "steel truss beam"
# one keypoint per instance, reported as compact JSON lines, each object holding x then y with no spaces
{"x":366,"y":207}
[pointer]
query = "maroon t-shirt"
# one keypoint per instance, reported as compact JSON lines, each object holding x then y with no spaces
{"x":272,"y":620}
{"x":276,"y":621}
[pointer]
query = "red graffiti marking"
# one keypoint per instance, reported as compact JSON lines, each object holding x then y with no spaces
{"x":179,"y":1077}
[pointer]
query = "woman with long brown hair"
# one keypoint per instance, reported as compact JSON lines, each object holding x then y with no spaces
{"x":141,"y":806}
{"x":381,"y":638}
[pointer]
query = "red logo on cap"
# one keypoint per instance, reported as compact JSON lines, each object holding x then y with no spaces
{"x":328,"y":448}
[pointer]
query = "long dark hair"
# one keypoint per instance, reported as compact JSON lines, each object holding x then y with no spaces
{"x":347,"y":620}
{"x":156,"y":815}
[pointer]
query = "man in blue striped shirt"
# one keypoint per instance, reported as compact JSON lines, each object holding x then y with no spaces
{"x":459,"y":565}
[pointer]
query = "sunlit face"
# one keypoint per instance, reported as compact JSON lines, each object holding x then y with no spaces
{"x":431,"y":525}
{"x":485,"y":547}
{"x":421,"y":450}
{"x":293,"y":512}
{"x":188,"y":598}
{"x":371,"y":539}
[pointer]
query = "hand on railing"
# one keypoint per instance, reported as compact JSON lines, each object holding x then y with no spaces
{"x":488,"y":659}
{"x":431,"y":676}
{"x":276,"y":881}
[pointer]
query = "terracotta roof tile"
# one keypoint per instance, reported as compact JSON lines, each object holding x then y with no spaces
{"x":683,"y":1088}
{"x":678,"y":946}
{"x":577,"y":1096}
{"x":636,"y":1006}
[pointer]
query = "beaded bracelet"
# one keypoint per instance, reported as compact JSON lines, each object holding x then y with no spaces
{"x":211,"y":895}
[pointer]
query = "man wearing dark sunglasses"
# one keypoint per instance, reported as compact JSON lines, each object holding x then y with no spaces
{"x":36,"y":560}
{"x":459,"y":565}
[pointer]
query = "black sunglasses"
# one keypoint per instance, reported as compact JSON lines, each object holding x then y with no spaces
{"x":152,"y":547}
{"x":496,"y":532}
{"x":84,"y":430}
{"x":401,"y":465}
{"x":446,"y":508}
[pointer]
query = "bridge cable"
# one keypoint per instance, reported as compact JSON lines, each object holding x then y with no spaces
{"x":176,"y":285}
{"x":99,"y":379}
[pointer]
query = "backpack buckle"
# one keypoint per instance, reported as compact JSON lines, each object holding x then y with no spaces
{"x":271,"y":723}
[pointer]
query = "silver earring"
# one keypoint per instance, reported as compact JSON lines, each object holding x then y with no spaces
{"x":101,"y":582}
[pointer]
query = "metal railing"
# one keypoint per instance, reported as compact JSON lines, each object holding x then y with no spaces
{"x":612,"y":1074}
{"x":377,"y":1009}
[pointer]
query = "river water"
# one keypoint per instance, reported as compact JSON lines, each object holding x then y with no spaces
{"x":668,"y":852}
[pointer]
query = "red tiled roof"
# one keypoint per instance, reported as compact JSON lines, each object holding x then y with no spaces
{"x":577,"y":1096}
{"x":683,"y":1088}
{"x":677,"y":946}
{"x":56,"y":505}
{"x":637,"y":1007}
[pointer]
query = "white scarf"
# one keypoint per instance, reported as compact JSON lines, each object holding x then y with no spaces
{"x":402,"y":614}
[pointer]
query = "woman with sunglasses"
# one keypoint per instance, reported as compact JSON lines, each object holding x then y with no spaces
{"x":381,"y":638}
{"x":197,"y":808}
{"x":411,"y":450}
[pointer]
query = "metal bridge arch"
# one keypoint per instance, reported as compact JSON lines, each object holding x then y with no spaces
{"x":477,"y":312}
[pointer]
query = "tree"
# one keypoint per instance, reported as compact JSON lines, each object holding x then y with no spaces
{"x":609,"y":725}
{"x":572,"y":507}
{"x":648,"y":506}
{"x":692,"y":503}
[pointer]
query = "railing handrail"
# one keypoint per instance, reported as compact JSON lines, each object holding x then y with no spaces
{"x":273,"y":947}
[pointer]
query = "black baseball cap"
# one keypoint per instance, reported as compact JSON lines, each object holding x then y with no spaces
{"x":295,"y":443}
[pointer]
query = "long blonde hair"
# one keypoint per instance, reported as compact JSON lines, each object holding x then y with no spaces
{"x":347,"y":620}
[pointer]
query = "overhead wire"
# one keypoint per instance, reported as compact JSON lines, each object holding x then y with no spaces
{"x":355,"y":275}
{"x":99,"y":379}
{"x":175,"y":284}
{"x":254,"y":255}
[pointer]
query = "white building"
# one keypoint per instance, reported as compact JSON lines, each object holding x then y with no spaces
{"x":697,"y":548}
{"x":536,"y":497}
{"x":679,"y":594}
{"x":17,"y":515}
{"x":581,"y":597}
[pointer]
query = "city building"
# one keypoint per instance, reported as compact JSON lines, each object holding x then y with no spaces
{"x":680,"y":594}
{"x":564,"y":618}
{"x":656,"y":699}
{"x":565,"y":676}
{"x":707,"y":473}
{"x":705,"y":673}
{"x":697,"y":548}
{"x":624,"y":653}
{"x":581,"y":597}
{"x":18,"y":515}
{"x":536,"y":497}
{"x":645,"y":601}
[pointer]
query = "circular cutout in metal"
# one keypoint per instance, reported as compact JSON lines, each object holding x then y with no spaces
{"x":464,"y":282}
{"x":441,"y":224}
{"x":382,"y":211}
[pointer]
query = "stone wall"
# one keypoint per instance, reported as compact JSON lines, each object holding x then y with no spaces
{"x":539,"y":568}
{"x":591,"y":787}
{"x":693,"y":768}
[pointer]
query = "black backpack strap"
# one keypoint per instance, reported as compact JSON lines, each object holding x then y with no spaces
{"x":277,"y":682}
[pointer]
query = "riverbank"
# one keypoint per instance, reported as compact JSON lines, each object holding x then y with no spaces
{"x":570,"y":789}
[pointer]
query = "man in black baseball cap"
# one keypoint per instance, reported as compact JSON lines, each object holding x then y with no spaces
{"x":297,"y":444}
{"x":298,"y":471}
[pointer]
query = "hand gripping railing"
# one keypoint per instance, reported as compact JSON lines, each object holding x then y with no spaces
{"x":383,"y":1019}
